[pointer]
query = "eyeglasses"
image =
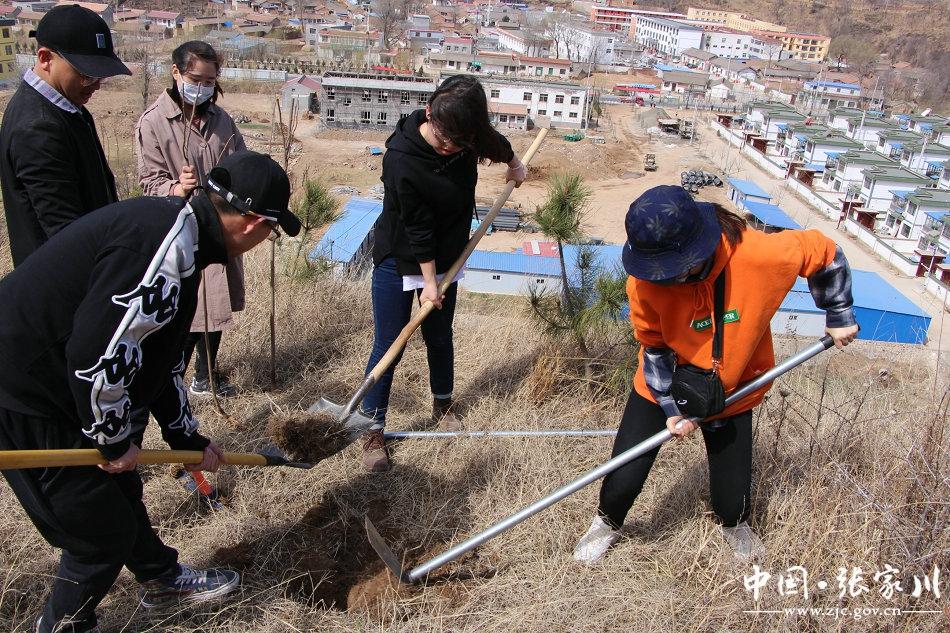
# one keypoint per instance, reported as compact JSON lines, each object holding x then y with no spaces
{"x":84,"y":80}
{"x":271,"y":222}
{"x":443,"y":140}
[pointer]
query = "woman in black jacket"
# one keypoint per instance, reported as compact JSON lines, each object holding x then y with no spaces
{"x":429,"y":170}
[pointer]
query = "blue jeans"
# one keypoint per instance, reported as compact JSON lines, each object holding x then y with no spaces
{"x":392,"y":309}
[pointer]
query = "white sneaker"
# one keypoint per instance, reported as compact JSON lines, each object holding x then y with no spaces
{"x":744,"y":542}
{"x":595,"y":542}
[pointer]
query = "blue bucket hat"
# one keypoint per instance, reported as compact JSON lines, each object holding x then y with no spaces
{"x":668,"y":233}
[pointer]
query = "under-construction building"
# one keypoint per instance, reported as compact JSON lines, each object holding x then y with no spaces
{"x":359,"y":99}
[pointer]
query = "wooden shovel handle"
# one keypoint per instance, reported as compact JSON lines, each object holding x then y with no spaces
{"x":52,"y":458}
{"x":396,"y":348}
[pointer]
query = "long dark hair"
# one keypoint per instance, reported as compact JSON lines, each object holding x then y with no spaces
{"x":184,"y":58}
{"x":459,"y":108}
{"x":732,"y":225}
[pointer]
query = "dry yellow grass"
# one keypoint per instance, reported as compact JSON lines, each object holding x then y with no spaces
{"x":850,"y":472}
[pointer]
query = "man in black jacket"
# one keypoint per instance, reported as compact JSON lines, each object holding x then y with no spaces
{"x":92,"y":326}
{"x":52,"y":167}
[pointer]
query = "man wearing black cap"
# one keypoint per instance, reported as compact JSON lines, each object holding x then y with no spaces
{"x":52,"y":167}
{"x":92,"y":326}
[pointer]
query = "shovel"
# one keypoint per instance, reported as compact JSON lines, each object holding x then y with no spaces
{"x":419,"y":572}
{"x":344,"y":412}
{"x":53,"y":458}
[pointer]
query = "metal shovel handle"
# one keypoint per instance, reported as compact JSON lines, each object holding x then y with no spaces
{"x":426,"y":308}
{"x":422,"y":570}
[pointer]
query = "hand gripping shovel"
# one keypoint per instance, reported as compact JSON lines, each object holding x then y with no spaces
{"x":421,"y":571}
{"x":344,"y":412}
{"x":52,"y":458}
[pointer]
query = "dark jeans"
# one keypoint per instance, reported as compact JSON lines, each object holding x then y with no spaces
{"x":729,"y":450}
{"x":97,"y":519}
{"x":197,"y":340}
{"x":392,"y":309}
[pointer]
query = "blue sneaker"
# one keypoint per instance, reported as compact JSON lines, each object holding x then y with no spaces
{"x":190,"y":585}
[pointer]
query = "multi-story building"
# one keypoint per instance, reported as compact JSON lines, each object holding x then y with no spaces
{"x":890,"y":143}
{"x":820,"y":97}
{"x":846,"y":172}
{"x":865,"y":129}
{"x":347,"y":45}
{"x":350,"y":99}
{"x":919,"y":214}
{"x":620,"y":19}
{"x":741,"y":22}
{"x":944,"y":182}
{"x":717,"y":16}
{"x":563,"y":103}
{"x":523,"y":42}
{"x":880,"y":183}
{"x":809,"y":47}
{"x":668,"y":37}
{"x":7,"y":50}
{"x":583,"y":44}
{"x":924,"y":157}
{"x":927,"y":124}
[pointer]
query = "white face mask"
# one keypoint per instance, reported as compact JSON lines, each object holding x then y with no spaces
{"x":193,"y":93}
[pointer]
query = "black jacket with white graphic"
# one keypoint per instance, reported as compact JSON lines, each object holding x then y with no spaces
{"x":93,"y":324}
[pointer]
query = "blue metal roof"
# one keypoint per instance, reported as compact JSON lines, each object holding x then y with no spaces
{"x":833,"y":154}
{"x":832,"y":84}
{"x":343,"y":238}
{"x":771,"y":215}
{"x":606,"y":257}
{"x":901,"y":193}
{"x":514,"y":263}
{"x":817,"y":167}
{"x":782,"y":126}
{"x":936,"y":215}
{"x":896,"y":145}
{"x":883,"y":313}
{"x":748,"y":188}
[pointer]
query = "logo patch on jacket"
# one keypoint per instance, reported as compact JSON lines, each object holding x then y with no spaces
{"x":705,"y":323}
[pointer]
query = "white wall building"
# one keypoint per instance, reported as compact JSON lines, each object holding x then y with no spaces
{"x":564,"y":103}
{"x":668,"y":37}
{"x":520,"y":41}
{"x":583,"y":44}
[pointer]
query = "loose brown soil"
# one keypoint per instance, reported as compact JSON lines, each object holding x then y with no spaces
{"x":308,"y":436}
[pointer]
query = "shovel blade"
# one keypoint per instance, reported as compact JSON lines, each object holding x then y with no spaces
{"x":384,"y":552}
{"x":326,"y":406}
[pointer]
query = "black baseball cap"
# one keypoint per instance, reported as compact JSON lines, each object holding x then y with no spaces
{"x":82,"y":38}
{"x":254,"y":183}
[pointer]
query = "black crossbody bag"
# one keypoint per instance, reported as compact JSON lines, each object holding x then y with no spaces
{"x":699,"y":392}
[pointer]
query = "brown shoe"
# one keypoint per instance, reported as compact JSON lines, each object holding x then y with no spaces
{"x":443,"y":414}
{"x":375,"y":456}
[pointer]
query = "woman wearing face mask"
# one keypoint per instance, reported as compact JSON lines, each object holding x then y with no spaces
{"x":678,"y":252}
{"x":169,"y":168}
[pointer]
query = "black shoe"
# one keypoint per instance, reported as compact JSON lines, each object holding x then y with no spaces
{"x":190,"y":585}
{"x":203,"y":387}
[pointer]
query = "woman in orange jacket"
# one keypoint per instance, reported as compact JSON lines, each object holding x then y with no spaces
{"x":676,"y":249}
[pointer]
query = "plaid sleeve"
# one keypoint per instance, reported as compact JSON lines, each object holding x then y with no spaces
{"x":831,"y":289}
{"x":658,"y":366}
